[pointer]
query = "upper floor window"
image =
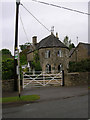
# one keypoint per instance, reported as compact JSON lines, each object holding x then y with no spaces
{"x":47,"y":54}
{"x":60,"y":54}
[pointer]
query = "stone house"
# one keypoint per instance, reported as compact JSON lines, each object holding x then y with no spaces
{"x":81,"y":52}
{"x":53,"y":54}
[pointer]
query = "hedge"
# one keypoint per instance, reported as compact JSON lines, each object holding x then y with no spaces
{"x":82,"y":66}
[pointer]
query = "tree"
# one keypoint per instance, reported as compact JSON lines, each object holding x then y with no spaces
{"x":68,"y":43}
{"x":71,"y":46}
{"x":23,"y":53}
{"x":23,"y":57}
{"x":7,"y":66}
{"x":6,"y":54}
{"x":36,"y":62}
{"x":8,"y":69}
{"x":23,"y":47}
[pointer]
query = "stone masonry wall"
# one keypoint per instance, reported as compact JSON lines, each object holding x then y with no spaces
{"x":79,"y":54}
{"x":54,"y":60}
{"x":75,"y":79}
{"x":7,"y":85}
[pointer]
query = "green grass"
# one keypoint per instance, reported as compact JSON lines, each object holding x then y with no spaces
{"x":26,"y":98}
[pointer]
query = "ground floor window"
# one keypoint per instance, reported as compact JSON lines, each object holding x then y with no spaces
{"x":60,"y":67}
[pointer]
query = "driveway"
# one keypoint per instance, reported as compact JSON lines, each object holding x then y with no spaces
{"x":49,"y":93}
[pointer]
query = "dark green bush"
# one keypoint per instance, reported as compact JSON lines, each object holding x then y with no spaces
{"x":8,"y":69}
{"x":82,"y":66}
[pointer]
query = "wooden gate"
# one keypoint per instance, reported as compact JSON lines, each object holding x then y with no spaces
{"x":38,"y":79}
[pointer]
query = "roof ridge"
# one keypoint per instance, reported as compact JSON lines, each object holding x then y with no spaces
{"x":84,"y":43}
{"x":51,"y":41}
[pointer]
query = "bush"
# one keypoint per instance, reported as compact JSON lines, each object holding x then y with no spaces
{"x":82,"y":66}
{"x":8,"y":69}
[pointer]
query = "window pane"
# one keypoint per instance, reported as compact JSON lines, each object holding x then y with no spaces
{"x":47,"y":54}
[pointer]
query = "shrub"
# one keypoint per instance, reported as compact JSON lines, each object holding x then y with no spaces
{"x":8,"y":69}
{"x":82,"y":66}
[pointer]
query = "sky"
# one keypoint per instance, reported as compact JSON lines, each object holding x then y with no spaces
{"x":65,"y":22}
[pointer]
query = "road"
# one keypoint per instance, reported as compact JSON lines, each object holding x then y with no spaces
{"x":59,"y":102}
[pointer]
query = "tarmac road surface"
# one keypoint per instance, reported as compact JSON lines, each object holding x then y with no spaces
{"x":55,"y":102}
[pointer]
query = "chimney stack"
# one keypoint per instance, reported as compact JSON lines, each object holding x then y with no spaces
{"x":34,"y":40}
{"x":56,"y":35}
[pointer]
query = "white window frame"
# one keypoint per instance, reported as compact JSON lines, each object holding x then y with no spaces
{"x":60,"y":54}
{"x":47,"y":54}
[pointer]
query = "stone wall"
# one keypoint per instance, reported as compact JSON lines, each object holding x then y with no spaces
{"x":75,"y":79}
{"x":30,"y":56}
{"x":7,"y":85}
{"x":80,"y":53}
{"x":54,"y":59}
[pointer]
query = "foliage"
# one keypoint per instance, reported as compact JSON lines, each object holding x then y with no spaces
{"x":71,"y":46}
{"x":7,"y":64}
{"x":82,"y":66}
{"x":23,"y":57}
{"x":68,"y":43}
{"x":26,"y":69}
{"x":8,"y":69}
{"x":36,"y":62}
{"x":23,"y":47}
{"x":5,"y":54}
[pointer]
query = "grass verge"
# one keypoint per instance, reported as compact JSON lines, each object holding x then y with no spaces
{"x":25,"y":98}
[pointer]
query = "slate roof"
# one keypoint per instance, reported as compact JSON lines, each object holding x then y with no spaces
{"x":86,"y":45}
{"x":71,"y":51}
{"x":48,"y":42}
{"x":51,"y":41}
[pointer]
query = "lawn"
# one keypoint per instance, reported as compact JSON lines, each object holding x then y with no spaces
{"x":25,"y":98}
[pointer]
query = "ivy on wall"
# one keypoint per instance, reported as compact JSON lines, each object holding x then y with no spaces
{"x":36,"y":61}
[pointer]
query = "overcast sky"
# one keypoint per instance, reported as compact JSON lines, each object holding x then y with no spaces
{"x":65,"y":22}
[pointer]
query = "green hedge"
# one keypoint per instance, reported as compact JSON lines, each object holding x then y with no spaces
{"x":82,"y":66}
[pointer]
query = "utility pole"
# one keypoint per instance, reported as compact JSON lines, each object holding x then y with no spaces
{"x":19,"y":75}
{"x":16,"y":48}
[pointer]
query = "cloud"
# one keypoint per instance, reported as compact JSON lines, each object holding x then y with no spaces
{"x":65,"y":22}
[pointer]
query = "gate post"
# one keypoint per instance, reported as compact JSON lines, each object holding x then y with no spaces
{"x":62,"y":77}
